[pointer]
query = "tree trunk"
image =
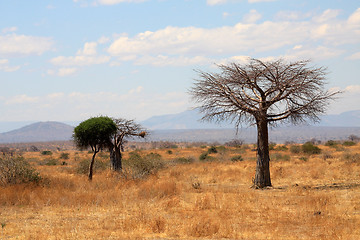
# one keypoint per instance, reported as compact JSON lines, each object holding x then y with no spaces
{"x":92,"y":166}
{"x":262,"y":175}
{"x":115,"y":158}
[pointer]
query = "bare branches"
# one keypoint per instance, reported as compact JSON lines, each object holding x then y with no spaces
{"x":275,"y":90}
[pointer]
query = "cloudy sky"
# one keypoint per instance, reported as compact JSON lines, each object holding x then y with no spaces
{"x":72,"y":59}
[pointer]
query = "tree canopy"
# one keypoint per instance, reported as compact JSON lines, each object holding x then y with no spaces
{"x":96,"y":133}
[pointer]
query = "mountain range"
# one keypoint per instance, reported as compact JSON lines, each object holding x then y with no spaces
{"x":186,"y":126}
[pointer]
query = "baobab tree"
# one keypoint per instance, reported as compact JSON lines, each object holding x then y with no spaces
{"x":263,"y":93}
{"x":125,"y":129}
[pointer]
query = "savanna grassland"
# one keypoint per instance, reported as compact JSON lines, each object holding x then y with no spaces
{"x":187,"y":193}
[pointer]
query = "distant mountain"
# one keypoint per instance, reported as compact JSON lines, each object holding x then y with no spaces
{"x":38,"y":132}
{"x":191,"y":120}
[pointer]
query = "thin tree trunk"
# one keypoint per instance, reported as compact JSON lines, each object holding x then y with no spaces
{"x":92,"y":166}
{"x":115,"y":158}
{"x":262,"y":175}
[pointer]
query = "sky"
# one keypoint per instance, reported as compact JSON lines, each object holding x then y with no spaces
{"x":68,"y":60}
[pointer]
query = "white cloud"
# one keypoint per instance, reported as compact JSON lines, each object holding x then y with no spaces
{"x":9,"y":29}
{"x":14,"y":44}
{"x":215,"y":2}
{"x":66,"y":71}
{"x":355,"y":56}
{"x":79,"y":60}
{"x":89,"y":49}
{"x":178,"y":45}
{"x":21,"y":99}
{"x":4,"y":66}
{"x":347,"y":101}
{"x":252,"y":16}
{"x":257,"y":1}
{"x":162,"y":60}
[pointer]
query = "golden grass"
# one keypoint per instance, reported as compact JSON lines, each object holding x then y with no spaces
{"x":314,"y":199}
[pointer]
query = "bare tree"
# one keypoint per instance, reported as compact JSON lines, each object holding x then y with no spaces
{"x":263,"y":93}
{"x":125,"y":129}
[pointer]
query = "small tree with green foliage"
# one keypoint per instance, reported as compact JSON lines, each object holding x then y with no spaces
{"x":96,"y":133}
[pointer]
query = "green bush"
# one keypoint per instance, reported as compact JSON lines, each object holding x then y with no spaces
{"x":331,"y":143}
{"x":143,"y":166}
{"x":272,"y":146}
{"x":64,"y":156}
{"x":349,"y":143}
{"x":237,"y":158}
{"x":83,"y":166}
{"x":310,"y":148}
{"x":279,"y":157}
{"x":51,"y":162}
{"x":205,"y":157}
{"x":295,"y":149}
{"x":281,"y":148}
{"x":15,"y":169}
{"x":184,"y":160}
{"x":212,"y":149}
{"x":49,"y":153}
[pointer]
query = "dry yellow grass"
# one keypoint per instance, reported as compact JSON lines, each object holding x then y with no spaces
{"x":314,"y":199}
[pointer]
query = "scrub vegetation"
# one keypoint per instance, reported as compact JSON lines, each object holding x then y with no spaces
{"x":315,"y":194}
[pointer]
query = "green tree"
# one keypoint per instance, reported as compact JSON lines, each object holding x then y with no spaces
{"x":96,"y":133}
{"x":263,"y":93}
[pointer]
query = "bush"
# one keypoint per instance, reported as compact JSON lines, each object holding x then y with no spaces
{"x":349,"y":143}
{"x":309,"y":148}
{"x":279,"y":157}
{"x":281,"y":148}
{"x":15,"y":169}
{"x":51,"y":162}
{"x":237,"y":158}
{"x":83,"y":166}
{"x":184,"y":160}
{"x":143,"y":166}
{"x":49,"y":153}
{"x":331,"y":143}
{"x":212,"y":149}
{"x":64,"y":156}
{"x":272,"y":146}
{"x":204,"y":157}
{"x":295,"y":149}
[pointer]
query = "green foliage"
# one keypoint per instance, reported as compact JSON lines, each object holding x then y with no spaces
{"x":169,"y":152}
{"x":310,"y":148}
{"x":349,"y":143}
{"x":281,"y":148}
{"x":205,"y":157}
{"x":184,"y":160}
{"x":143,"y":166}
{"x":64,"y":156}
{"x":237,"y":158}
{"x":48,"y":153}
{"x":51,"y":162}
{"x":95,"y":132}
{"x":331,"y":143}
{"x":212,"y":149}
{"x":272,"y":146}
{"x":15,"y":170}
{"x":295,"y":149}
{"x":83,"y":166}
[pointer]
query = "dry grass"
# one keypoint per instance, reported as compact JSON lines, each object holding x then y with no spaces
{"x":314,"y":199}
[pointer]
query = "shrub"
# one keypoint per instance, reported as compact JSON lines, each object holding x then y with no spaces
{"x":64,"y":156}
{"x":15,"y":169}
{"x":237,"y":158}
{"x":212,"y":149}
{"x":309,"y":148}
{"x":83,"y":166}
{"x":169,"y":152}
{"x":280,"y":157}
{"x":204,"y":157}
{"x":184,"y":160}
{"x":272,"y":146}
{"x":349,"y":143}
{"x":295,"y":149}
{"x":234,"y":143}
{"x":281,"y":148}
{"x":49,"y":153}
{"x":51,"y":162}
{"x":143,"y":166}
{"x":331,"y":143}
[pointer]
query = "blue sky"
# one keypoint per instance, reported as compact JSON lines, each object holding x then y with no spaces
{"x":73,"y":59}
